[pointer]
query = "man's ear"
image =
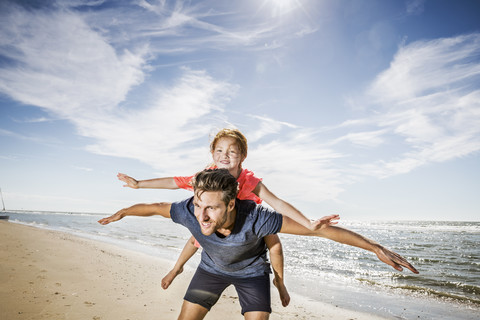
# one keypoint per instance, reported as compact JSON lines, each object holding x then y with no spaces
{"x":231,"y":205}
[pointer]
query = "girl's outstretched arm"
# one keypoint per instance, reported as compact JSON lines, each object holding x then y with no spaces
{"x":158,"y":183}
{"x":285,"y":208}
{"x":351,"y":238}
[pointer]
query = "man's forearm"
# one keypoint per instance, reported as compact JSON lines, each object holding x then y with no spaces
{"x":146,"y":210}
{"x":334,"y":233}
{"x":351,"y":238}
{"x":141,"y":210}
{"x":348,"y":237}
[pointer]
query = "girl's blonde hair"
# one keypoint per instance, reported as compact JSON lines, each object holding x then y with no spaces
{"x":231,"y":133}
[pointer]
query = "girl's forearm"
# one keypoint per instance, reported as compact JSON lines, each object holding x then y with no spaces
{"x":290,"y":211}
{"x":280,"y":205}
{"x":158,"y":183}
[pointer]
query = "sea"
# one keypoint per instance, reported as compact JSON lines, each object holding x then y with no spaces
{"x":446,"y":253}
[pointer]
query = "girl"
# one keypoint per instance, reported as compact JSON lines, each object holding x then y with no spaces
{"x":229,"y":150}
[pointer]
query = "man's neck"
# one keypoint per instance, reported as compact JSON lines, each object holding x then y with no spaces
{"x":228,"y":226}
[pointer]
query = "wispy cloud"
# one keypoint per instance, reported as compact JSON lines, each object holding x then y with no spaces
{"x":164,"y":134}
{"x":34,"y":120}
{"x":86,"y":79}
{"x":82,"y":168}
{"x":65,"y":75}
{"x":428,"y":101}
{"x":266,"y":127}
{"x":415,"y":7}
{"x":16,"y":135}
{"x":298,"y":166}
{"x":424,"y":108}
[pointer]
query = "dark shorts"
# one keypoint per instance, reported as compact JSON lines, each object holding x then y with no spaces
{"x":253,"y":293}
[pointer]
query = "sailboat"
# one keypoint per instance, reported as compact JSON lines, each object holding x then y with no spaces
{"x":3,"y":216}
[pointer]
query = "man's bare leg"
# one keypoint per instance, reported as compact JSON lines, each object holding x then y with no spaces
{"x":193,"y":311}
{"x":256,"y":315}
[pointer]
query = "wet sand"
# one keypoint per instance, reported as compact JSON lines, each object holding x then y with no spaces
{"x":53,"y":275}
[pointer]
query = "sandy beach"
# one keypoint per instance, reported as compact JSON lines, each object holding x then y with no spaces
{"x":53,"y":275}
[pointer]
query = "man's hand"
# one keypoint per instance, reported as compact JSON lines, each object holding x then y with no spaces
{"x":324,"y":222}
{"x":115,"y":217}
{"x":130,"y":182}
{"x":393,"y":259}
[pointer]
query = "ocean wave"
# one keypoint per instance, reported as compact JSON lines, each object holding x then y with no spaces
{"x":416,"y":226}
{"x":425,"y":289}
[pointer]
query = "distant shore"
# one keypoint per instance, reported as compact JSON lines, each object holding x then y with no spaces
{"x":53,"y":275}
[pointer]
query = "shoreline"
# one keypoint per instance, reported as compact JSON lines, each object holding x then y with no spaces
{"x":49,"y":274}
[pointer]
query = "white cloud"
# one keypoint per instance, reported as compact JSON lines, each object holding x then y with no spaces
{"x":296,"y":166}
{"x":82,"y":168}
{"x":163,"y":134}
{"x":424,"y":108}
{"x":64,"y":74}
{"x":415,"y":7}
{"x":85,"y":80}
{"x":17,"y":135}
{"x":266,"y":127}
{"x":369,"y":139}
{"x":429,"y":98}
{"x":427,"y":67}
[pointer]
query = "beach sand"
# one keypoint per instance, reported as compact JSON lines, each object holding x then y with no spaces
{"x":53,"y":275}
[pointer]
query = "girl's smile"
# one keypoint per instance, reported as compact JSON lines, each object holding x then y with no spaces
{"x":227,"y":155}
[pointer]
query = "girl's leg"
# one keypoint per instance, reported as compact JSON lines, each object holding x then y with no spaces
{"x":276,"y":256}
{"x":187,"y":252}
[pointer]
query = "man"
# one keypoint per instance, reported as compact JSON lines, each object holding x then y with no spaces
{"x":231,"y":233}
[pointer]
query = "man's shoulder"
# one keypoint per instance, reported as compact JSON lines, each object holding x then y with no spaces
{"x":183,"y":203}
{"x":251,"y":209}
{"x":259,"y":219}
{"x":180,"y":208}
{"x":246,"y":206}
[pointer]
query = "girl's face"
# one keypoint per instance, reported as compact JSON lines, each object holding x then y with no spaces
{"x":226,"y":154}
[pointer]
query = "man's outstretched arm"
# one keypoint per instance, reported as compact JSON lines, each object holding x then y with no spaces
{"x":141,"y":210}
{"x":348,"y":237}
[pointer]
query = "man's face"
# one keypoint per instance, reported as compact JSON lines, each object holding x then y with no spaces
{"x":210,"y":211}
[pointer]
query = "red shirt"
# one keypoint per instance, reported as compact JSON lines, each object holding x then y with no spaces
{"x":247,"y":182}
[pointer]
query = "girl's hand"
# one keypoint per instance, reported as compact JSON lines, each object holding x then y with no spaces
{"x":130,"y":182}
{"x":324,"y":222}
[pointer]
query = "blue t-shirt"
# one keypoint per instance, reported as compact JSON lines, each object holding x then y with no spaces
{"x":243,"y":252}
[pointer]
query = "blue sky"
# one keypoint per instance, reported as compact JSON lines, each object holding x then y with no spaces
{"x":370,"y":109}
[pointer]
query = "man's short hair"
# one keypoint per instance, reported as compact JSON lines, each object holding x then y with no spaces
{"x":216,"y":180}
